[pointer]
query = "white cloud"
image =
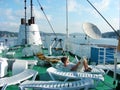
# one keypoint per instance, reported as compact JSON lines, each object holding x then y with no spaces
{"x":102,"y":5}
{"x":38,"y":14}
{"x":8,"y":13}
{"x":9,"y":26}
{"x":116,"y":23}
{"x":18,"y":13}
{"x":76,"y":27}
{"x":72,"y":5}
{"x":11,"y":18}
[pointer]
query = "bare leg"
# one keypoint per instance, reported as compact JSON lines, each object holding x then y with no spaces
{"x":85,"y":63}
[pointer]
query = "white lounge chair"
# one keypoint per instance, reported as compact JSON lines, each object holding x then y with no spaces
{"x":58,"y":85}
{"x":19,"y":66}
{"x":18,"y":78}
{"x":3,"y":66}
{"x":109,"y":67}
{"x":53,"y":73}
{"x":94,"y":70}
{"x":72,"y":75}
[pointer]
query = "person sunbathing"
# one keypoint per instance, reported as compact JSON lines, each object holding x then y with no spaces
{"x":79,"y":66}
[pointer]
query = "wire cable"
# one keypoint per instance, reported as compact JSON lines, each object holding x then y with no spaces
{"x":104,"y":19}
{"x":46,"y":17}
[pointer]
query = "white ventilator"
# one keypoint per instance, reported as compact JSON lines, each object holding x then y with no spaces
{"x":31,"y":34}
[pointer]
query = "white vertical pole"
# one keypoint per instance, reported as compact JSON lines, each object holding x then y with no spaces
{"x":104,"y":56}
{"x":67,"y":37}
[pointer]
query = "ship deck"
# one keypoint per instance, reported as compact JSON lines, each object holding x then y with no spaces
{"x":43,"y":75}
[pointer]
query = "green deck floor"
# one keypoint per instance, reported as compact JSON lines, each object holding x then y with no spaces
{"x":44,"y":76}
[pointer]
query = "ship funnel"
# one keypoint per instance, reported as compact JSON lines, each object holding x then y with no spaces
{"x":29,"y":33}
{"x":22,"y":21}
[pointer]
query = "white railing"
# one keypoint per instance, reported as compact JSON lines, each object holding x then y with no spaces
{"x":106,"y":55}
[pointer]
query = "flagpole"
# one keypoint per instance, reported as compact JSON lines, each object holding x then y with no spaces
{"x":67,"y":36}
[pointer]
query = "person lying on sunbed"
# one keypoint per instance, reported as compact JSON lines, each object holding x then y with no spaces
{"x":79,"y":66}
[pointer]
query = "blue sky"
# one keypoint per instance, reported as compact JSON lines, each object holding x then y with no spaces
{"x":79,"y":12}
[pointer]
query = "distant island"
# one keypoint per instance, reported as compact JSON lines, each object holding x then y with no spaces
{"x":8,"y":34}
{"x":15,"y":34}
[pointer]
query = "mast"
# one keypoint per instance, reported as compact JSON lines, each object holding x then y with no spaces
{"x":67,"y":18}
{"x":25,"y":24}
{"x":31,"y":21}
{"x":67,"y":36}
{"x":31,"y":8}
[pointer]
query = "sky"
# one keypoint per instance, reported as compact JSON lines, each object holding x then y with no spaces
{"x":79,"y":12}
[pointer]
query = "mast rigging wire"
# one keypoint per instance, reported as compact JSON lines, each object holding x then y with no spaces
{"x":104,"y":19}
{"x":46,"y":17}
